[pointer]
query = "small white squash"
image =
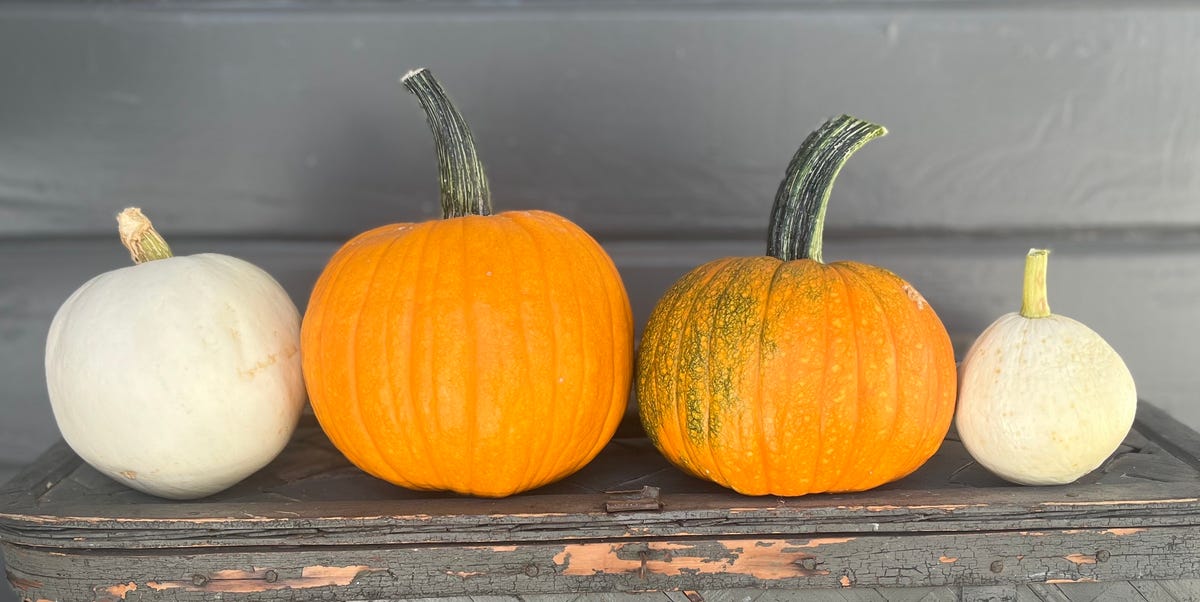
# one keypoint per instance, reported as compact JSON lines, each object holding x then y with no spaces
{"x":178,"y":376}
{"x":1043,"y":400}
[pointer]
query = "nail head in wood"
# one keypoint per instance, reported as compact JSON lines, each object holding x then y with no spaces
{"x":997,"y":566}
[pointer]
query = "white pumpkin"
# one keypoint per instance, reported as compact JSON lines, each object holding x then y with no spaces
{"x":1043,"y":400}
{"x":179,"y":376}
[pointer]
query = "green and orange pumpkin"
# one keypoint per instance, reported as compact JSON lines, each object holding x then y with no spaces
{"x":786,"y":375}
{"x":481,"y":354}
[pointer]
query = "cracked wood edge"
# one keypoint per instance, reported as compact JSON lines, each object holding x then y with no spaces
{"x":1003,"y":558}
{"x":1173,"y":436}
{"x":23,"y":490}
{"x":1129,"y":507}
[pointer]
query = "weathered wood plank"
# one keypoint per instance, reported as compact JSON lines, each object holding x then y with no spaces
{"x":314,"y":136}
{"x":1175,"y":590}
{"x":311,"y":495}
{"x":867,"y":561}
{"x":990,"y":593}
{"x":1176,"y":438}
{"x":34,"y":480}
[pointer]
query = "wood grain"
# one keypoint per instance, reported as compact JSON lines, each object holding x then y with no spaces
{"x":1005,"y":558}
{"x":312,"y":496}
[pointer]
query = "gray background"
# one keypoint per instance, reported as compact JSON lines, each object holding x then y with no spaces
{"x":273,"y":131}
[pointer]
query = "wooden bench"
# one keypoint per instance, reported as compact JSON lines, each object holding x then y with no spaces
{"x":628,"y":527}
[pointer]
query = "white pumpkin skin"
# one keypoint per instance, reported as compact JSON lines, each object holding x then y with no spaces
{"x":178,"y":377}
{"x":1043,"y":401}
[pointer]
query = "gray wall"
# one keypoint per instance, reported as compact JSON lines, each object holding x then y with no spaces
{"x":275,"y":131}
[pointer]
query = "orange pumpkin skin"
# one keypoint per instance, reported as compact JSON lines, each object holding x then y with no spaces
{"x":485,"y":355}
{"x":795,"y":377}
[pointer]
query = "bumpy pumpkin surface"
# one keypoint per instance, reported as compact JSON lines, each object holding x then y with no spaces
{"x":178,"y":376}
{"x":481,"y":354}
{"x":790,"y":376}
{"x":1043,"y":399}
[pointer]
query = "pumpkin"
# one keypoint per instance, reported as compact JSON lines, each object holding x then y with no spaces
{"x":1044,"y":399}
{"x":177,"y":376}
{"x":484,"y":354}
{"x":786,"y":375}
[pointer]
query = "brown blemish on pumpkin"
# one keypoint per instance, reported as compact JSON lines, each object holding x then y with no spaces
{"x":947,"y":559}
{"x":914,"y":296}
{"x":1123,"y":532}
{"x":241,"y":582}
{"x":129,"y":474}
{"x":1081,"y":558}
{"x":767,"y":560}
{"x":272,"y":359}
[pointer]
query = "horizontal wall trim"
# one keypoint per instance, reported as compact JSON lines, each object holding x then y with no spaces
{"x":577,"y":6}
{"x":1083,"y":239}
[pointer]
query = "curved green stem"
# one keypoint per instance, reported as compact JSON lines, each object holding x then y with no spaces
{"x":463,"y":183}
{"x":139,"y":236}
{"x":798,"y":216}
{"x":1033,"y":298}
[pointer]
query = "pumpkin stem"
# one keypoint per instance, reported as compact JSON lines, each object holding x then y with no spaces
{"x":798,"y":216}
{"x":464,"y":185}
{"x":139,"y":236}
{"x":1033,"y":298}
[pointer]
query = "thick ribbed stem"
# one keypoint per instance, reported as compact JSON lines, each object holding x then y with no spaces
{"x":798,"y":216}
{"x":139,"y":236}
{"x":464,"y":185}
{"x":1033,"y":299}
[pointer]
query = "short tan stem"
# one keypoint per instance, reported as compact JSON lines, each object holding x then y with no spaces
{"x":139,"y":236}
{"x":1033,"y":299}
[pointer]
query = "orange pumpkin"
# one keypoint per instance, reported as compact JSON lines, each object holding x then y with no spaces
{"x":482,"y":354}
{"x":784,"y":375}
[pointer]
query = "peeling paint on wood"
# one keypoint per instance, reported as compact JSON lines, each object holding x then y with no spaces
{"x":1079,"y":580}
{"x":1081,"y":558}
{"x":1123,"y":532}
{"x":236,"y":581}
{"x":765,"y":560}
{"x":118,"y":591}
{"x":865,"y":562}
{"x":814,"y":543}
